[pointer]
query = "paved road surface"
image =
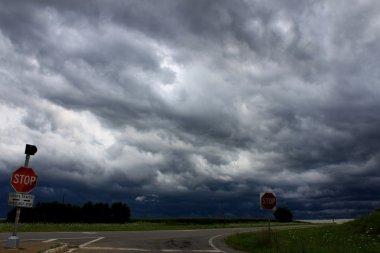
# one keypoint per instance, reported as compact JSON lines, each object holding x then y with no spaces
{"x":184,"y":241}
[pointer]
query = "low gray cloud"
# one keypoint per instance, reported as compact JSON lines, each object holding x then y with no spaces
{"x":201,"y":105}
{"x":148,"y":198}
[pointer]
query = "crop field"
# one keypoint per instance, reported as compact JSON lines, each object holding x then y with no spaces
{"x":142,"y":225}
{"x":359,"y":236}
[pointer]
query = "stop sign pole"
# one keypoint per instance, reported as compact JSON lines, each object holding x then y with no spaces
{"x":13,"y":241}
{"x":268,"y":201}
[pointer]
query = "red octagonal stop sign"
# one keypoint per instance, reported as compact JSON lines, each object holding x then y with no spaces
{"x":268,"y":200}
{"x":24,"y":179}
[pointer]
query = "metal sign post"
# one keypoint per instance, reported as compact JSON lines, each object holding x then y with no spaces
{"x":268,"y":202}
{"x":13,"y":241}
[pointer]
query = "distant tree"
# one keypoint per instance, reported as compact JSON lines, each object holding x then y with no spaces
{"x":87,"y":210}
{"x":283,"y":214}
{"x":11,"y":215}
{"x":53,"y":212}
{"x":101,"y":213}
{"x":56,"y":212}
{"x":120,"y":212}
{"x":27,"y":215}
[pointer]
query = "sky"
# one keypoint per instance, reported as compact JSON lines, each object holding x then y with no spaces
{"x":190,"y":108}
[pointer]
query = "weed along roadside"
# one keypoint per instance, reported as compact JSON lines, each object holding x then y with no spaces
{"x":358,"y":236}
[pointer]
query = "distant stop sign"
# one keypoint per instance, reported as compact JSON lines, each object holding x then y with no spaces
{"x":24,"y":179}
{"x":268,"y":200}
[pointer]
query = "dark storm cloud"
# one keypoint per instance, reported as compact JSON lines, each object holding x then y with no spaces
{"x":169,"y":106}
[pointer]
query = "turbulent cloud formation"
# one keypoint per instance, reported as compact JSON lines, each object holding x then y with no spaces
{"x":192,"y":108}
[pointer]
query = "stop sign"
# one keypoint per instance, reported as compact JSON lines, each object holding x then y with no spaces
{"x":24,"y":179}
{"x":268,"y":200}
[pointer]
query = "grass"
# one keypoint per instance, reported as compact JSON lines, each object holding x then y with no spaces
{"x":139,"y":225}
{"x":359,"y":236}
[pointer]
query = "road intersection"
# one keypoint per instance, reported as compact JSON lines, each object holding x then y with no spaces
{"x":183,"y":241}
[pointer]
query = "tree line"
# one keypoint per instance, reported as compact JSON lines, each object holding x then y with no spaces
{"x":55,"y":212}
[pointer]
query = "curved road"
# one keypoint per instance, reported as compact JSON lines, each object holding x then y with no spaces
{"x":184,"y":241}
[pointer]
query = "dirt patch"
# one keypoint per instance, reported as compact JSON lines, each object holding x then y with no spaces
{"x":30,"y":247}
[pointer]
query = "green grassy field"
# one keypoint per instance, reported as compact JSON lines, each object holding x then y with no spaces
{"x":359,"y":236}
{"x":141,"y":225}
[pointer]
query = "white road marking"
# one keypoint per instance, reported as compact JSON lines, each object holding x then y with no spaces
{"x":50,"y":240}
{"x":85,"y":246}
{"x":210,"y":242}
{"x":65,"y":238}
{"x":88,"y":243}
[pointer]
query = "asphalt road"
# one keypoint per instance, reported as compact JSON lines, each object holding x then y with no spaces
{"x":184,"y":241}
